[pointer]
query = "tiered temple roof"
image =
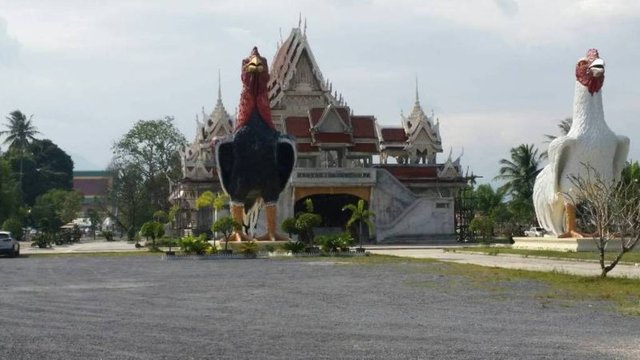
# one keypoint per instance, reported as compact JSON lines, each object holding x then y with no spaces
{"x":417,"y":141}
{"x":198,"y":160}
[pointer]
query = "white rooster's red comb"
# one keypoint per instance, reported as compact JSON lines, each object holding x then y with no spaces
{"x":592,"y":54}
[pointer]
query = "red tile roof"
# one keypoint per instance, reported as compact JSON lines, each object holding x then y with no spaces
{"x":364,"y":148}
{"x":363,"y":127}
{"x":344,"y":114}
{"x":393,"y":135}
{"x":315,"y":114}
{"x":305,"y":147}
{"x":297,"y":126}
{"x":331,"y":138}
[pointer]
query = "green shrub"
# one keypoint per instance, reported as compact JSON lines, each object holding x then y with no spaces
{"x":294,"y":246}
{"x":249,"y":248}
{"x":108,"y":235}
{"x":483,"y":225}
{"x":14,"y":226}
{"x":41,"y":240}
{"x":335,"y":242}
{"x":153,"y":230}
{"x":196,"y":245}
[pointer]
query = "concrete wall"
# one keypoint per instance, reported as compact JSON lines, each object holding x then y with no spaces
{"x":401,"y":215}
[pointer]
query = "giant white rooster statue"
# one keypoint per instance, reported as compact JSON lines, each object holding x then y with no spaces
{"x":588,"y":146}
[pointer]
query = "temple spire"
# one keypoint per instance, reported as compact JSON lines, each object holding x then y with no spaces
{"x":299,"y":20}
{"x":417,"y":95}
{"x":219,"y":87}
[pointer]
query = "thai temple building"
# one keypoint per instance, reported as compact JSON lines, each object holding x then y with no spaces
{"x":342,"y":157}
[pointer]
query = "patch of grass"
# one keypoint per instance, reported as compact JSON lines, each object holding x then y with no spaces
{"x":630,"y":257}
{"x":622,"y":293}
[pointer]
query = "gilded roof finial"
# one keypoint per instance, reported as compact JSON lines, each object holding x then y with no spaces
{"x":417,"y":95}
{"x":219,"y":87}
{"x":299,"y":19}
{"x":304,"y":31}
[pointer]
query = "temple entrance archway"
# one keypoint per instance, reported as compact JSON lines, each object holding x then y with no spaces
{"x":329,"y":207}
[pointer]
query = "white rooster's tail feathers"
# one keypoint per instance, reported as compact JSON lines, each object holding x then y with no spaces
{"x":250,"y":218}
{"x":548,"y":205}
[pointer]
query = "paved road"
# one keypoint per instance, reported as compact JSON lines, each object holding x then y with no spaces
{"x":511,"y":261}
{"x":146,"y":308}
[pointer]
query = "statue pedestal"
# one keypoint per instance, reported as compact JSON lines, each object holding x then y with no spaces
{"x":564,"y":244}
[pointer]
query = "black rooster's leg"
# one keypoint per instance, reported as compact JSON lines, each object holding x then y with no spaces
{"x":237,"y":214}
{"x":272,"y":225}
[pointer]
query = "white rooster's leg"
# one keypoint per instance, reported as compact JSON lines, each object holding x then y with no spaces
{"x":570,"y":214}
{"x":272,"y":225}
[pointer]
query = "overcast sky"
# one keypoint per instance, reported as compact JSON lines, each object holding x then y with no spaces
{"x":497,"y":73}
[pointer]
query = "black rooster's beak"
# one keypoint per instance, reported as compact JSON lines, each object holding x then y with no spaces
{"x":254,"y":64}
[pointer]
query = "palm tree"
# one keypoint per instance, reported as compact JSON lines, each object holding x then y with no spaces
{"x":361,"y":215}
{"x":564,"y":125}
{"x":19,"y":133}
{"x":520,"y":172}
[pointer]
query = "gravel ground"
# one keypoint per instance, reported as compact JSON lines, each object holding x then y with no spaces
{"x":141,"y":307}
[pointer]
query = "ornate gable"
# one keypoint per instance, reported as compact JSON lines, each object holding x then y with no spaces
{"x":294,"y":71}
{"x":334,"y":120}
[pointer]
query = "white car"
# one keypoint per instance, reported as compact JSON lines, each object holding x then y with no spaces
{"x":9,"y":245}
{"x":535,"y":232}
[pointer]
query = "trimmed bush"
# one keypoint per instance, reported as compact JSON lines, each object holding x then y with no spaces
{"x":196,"y":245}
{"x":335,"y":242}
{"x":14,"y":226}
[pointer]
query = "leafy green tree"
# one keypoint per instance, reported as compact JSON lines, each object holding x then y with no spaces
{"x":19,"y":133}
{"x":94,"y":219}
{"x":482,"y":224}
{"x":520,"y":172}
{"x":130,"y":196}
{"x":161,"y":216}
{"x":151,"y":147}
{"x":226,"y":225}
{"x":9,"y":196}
{"x":153,"y":230}
{"x":214,"y":201}
{"x":360,"y":215}
{"x":14,"y":226}
{"x":47,"y":167}
{"x":487,"y":199}
{"x":55,"y":208}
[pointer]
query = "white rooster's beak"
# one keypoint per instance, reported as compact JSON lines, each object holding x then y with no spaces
{"x":597,"y":67}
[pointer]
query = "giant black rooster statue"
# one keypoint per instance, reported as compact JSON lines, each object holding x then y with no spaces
{"x":256,"y":161}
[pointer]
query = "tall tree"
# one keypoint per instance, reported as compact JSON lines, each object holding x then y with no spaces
{"x":9,"y":199}
{"x":47,"y":167}
{"x":487,"y":199}
{"x":361,"y":215}
{"x":55,"y":208}
{"x":130,"y":196}
{"x":564,"y":126}
{"x":151,"y":146}
{"x":19,"y":133}
{"x":519,"y":172}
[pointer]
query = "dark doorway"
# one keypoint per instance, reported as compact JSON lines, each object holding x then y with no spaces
{"x":329,"y":207}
